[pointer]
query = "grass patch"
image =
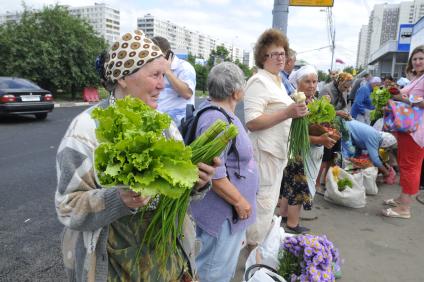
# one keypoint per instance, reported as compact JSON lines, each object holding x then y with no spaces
{"x":200,"y":93}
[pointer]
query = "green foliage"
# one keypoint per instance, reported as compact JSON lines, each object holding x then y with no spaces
{"x":379,"y":98}
{"x":218,"y":55}
{"x":201,"y":77}
{"x":344,"y":183}
{"x":322,"y":76}
{"x":134,"y":152}
{"x":349,"y":69}
{"x":52,"y":48}
{"x":246,"y":70}
{"x":320,"y":111}
{"x":191,"y":59}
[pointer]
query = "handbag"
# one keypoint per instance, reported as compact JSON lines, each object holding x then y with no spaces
{"x":401,"y":117}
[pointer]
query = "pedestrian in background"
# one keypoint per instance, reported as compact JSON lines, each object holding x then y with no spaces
{"x":103,"y":227}
{"x":362,"y":105}
{"x":223,"y":216}
{"x":358,"y":82}
{"x":410,"y":145}
{"x":336,"y":92}
{"x":180,"y":83}
{"x":288,"y":68}
{"x":268,"y":112}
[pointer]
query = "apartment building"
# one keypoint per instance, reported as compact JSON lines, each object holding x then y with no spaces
{"x":361,"y":56}
{"x":383,"y":52}
{"x":10,"y":17}
{"x":183,"y":39}
{"x":104,"y":19}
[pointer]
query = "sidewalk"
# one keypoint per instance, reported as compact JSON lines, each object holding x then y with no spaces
{"x":64,"y":104}
{"x":372,"y":247}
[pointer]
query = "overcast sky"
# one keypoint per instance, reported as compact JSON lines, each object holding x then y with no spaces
{"x":241,"y":22}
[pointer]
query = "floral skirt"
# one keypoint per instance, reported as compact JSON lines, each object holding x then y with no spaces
{"x":294,"y":185}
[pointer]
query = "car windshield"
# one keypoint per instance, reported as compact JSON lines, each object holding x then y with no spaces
{"x":16,"y":83}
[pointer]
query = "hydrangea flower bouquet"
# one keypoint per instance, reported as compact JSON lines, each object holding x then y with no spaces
{"x":308,"y":258}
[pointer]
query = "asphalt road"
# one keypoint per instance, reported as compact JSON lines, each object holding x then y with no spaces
{"x":29,"y":230}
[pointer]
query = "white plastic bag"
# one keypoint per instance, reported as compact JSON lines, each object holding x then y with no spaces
{"x":351,"y":197}
{"x":370,"y":180}
{"x":266,"y":254}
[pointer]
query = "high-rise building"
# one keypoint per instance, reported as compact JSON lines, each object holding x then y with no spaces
{"x":361,"y":58}
{"x":384,"y":23}
{"x":184,"y":40}
{"x":390,"y":31}
{"x":10,"y":17}
{"x":104,"y":20}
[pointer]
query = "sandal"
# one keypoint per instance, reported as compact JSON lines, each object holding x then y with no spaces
{"x":391,"y":213}
{"x":391,"y":202}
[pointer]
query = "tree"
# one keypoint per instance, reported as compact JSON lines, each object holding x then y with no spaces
{"x":246,"y":70}
{"x":218,"y":55}
{"x":201,"y":77}
{"x":349,"y":69}
{"x":191,"y":59}
{"x":52,"y":48}
{"x":322,"y":76}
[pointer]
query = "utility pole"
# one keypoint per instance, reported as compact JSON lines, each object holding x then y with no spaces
{"x":280,"y":15}
{"x":331,"y":34}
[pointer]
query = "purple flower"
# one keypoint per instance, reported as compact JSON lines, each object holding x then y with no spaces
{"x":309,"y":258}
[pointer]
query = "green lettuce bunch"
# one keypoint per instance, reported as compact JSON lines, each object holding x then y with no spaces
{"x":379,"y":98}
{"x":321,"y":111}
{"x":134,"y":152}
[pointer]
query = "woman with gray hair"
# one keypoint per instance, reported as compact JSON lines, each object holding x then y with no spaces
{"x":223,"y":216}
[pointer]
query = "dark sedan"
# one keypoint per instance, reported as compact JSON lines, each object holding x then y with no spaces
{"x":22,"y":97}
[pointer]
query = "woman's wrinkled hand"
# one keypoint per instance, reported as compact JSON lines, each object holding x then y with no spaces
{"x":206,"y":172}
{"x":243,"y":208}
{"x":132,"y":199}
{"x":327,"y":141}
{"x":297,"y":110}
{"x":344,"y":115}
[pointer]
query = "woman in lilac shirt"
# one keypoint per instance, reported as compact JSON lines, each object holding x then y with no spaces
{"x":223,"y":216}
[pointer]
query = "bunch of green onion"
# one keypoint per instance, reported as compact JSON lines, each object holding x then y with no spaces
{"x":299,"y":145}
{"x":166,"y":226}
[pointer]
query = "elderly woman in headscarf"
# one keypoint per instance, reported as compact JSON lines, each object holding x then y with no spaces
{"x":336,"y":91}
{"x":103,"y":228}
{"x":298,"y":185}
{"x":268,"y":113}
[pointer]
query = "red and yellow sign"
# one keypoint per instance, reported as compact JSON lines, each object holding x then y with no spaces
{"x":312,"y":3}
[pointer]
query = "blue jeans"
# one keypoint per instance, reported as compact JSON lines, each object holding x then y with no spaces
{"x":217,"y":260}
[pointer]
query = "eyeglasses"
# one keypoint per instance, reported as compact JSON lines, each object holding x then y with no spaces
{"x":276,"y":55}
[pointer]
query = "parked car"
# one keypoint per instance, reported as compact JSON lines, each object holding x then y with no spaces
{"x":21,"y":96}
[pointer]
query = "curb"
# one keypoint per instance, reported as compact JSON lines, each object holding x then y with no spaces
{"x":72,"y":104}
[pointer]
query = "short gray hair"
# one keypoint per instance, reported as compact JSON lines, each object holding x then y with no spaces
{"x":224,"y":79}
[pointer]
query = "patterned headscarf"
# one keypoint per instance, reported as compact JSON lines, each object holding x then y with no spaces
{"x":387,"y":140}
{"x":342,"y":77}
{"x":129,"y":54}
